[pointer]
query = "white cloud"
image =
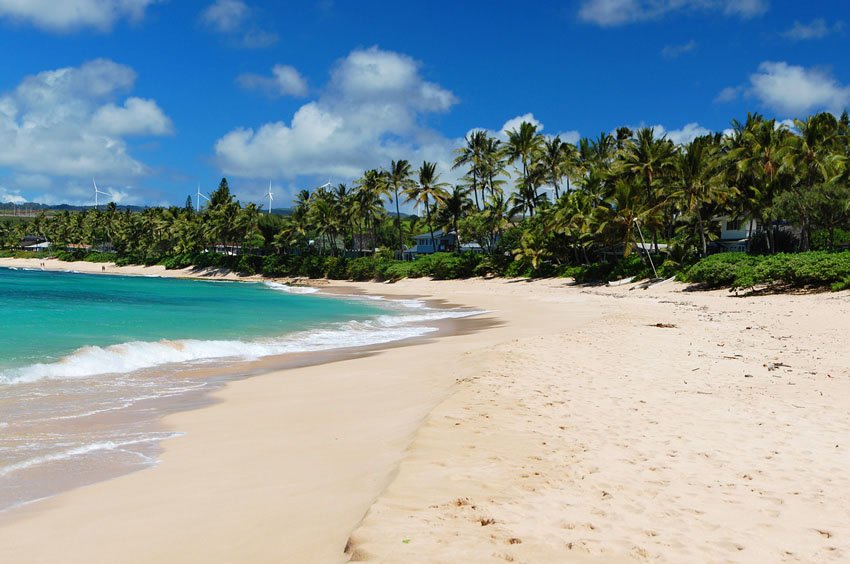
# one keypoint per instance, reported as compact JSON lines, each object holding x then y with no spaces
{"x":239,"y":22}
{"x":571,"y":136}
{"x":675,"y":51}
{"x":816,"y":29}
{"x":514,"y":123}
{"x":374,"y":109}
{"x":369,"y":113}
{"x":67,"y":125}
{"x":136,"y":117}
{"x":67,"y":15}
{"x":796,"y":90}
{"x":791,"y":89}
{"x":682,"y":136}
{"x":226,"y":16}
{"x":285,"y":81}
{"x":610,"y":13}
{"x":729,"y":94}
{"x":8,"y":196}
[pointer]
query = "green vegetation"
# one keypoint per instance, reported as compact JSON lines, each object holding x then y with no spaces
{"x":533,"y":206}
{"x":804,"y":270}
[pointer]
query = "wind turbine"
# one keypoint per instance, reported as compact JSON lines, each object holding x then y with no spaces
{"x":270,"y":197}
{"x":97,"y":193}
{"x":198,"y":205}
{"x":325,"y":185}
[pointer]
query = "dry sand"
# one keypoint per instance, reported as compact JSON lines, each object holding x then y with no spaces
{"x":574,"y":430}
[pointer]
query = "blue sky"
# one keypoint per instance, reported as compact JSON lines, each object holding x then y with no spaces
{"x":153,"y":97}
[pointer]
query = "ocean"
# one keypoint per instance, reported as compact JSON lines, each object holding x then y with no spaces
{"x":89,"y":364}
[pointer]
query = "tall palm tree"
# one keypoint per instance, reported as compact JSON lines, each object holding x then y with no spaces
{"x":812,"y":158}
{"x":648,"y":159}
{"x":398,"y":179}
{"x":698,"y":181}
{"x":559,"y":160}
{"x":473,"y":154}
{"x":426,"y":189}
{"x":369,"y":201}
{"x":454,"y":207}
{"x":525,"y":144}
{"x":757,"y":150}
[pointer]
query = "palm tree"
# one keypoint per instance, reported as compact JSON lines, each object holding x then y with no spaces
{"x":648,"y":159}
{"x":369,"y":201}
{"x":811,"y":157}
{"x":757,"y":150}
{"x":428,"y":188}
{"x":622,"y":210}
{"x":477,"y":154}
{"x":525,"y":144}
{"x":398,"y":181}
{"x":559,"y":160}
{"x":698,"y":181}
{"x":454,"y":207}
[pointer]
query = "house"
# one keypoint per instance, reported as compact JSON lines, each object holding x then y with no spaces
{"x":38,"y":247}
{"x":33,"y":243}
{"x":735,"y":233}
{"x":445,"y":242}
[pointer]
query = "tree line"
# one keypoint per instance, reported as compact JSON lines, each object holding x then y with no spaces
{"x":545,"y":203}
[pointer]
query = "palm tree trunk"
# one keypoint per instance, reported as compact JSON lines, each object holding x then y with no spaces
{"x":430,"y":227}
{"x":701,"y":228}
{"x":398,"y":223}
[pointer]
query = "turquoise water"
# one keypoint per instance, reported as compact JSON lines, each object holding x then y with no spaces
{"x":89,"y":364}
{"x":49,"y":315}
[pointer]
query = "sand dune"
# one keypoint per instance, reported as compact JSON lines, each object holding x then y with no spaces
{"x":600,"y":425}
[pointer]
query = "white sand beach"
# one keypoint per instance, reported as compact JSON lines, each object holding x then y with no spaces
{"x":586,"y":424}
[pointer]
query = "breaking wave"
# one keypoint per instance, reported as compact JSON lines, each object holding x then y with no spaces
{"x":139,"y":355}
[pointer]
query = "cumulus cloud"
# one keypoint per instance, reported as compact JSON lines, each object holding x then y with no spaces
{"x":729,"y":94}
{"x":373,"y":109}
{"x":68,"y":15}
{"x":676,"y":51}
{"x":684,"y":135}
{"x":571,"y":136}
{"x":610,"y":13}
{"x":795,"y":89}
{"x":792,"y":89}
{"x":681,"y":136}
{"x":816,"y":29}
{"x":65,"y":125}
{"x":284,"y":81}
{"x":239,"y":22}
{"x":369,"y":113}
{"x":135,"y":117}
{"x":8,"y":196}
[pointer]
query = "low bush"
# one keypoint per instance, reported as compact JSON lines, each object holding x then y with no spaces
{"x":737,"y":270}
{"x":606,"y":271}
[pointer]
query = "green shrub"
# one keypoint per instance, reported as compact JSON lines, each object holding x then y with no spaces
{"x":738,"y":270}
{"x":362,"y":268}
{"x":720,"y":270}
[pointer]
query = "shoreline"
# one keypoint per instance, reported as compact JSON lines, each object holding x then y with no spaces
{"x":228,"y":370}
{"x":587,"y":424}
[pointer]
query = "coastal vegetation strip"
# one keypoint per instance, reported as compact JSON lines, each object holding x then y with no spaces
{"x":624,"y":204}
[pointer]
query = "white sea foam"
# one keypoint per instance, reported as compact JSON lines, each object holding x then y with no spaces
{"x":83,"y":450}
{"x":291,"y":289}
{"x":139,"y":355}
